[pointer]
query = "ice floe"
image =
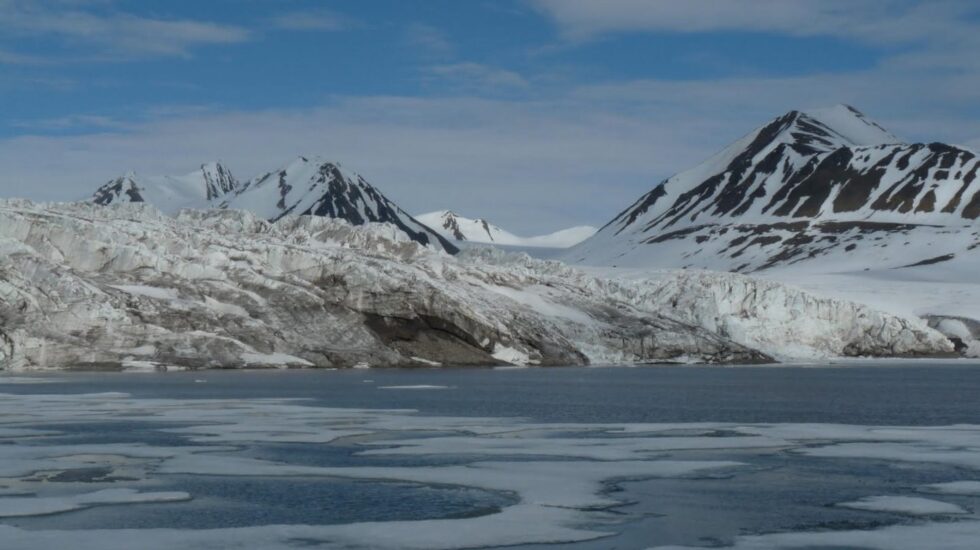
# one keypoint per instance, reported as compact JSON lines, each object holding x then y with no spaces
{"x":557,"y":473}
{"x":915,"y":506}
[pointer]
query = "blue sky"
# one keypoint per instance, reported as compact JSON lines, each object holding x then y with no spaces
{"x":536,"y":114}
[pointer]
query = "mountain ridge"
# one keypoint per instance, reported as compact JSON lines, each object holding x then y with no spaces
{"x":305,"y":186}
{"x":801,"y":186}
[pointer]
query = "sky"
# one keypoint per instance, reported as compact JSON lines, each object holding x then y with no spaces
{"x":534,"y":114}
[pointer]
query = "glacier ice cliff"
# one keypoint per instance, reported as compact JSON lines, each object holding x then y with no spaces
{"x":86,"y":286}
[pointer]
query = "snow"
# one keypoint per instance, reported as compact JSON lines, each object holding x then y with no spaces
{"x":198,"y":189}
{"x":459,"y":228}
{"x":914,"y":506}
{"x":274,"y":359}
{"x":853,"y":126}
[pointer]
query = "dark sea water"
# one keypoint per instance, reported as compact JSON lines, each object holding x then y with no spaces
{"x":776,"y":491}
{"x":906,"y":393}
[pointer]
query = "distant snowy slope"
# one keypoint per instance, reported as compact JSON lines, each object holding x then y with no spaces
{"x":828,"y":186}
{"x":456,"y":227}
{"x":199,"y":189}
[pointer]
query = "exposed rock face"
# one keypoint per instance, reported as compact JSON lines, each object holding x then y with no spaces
{"x":818,"y":187}
{"x":86,"y":286}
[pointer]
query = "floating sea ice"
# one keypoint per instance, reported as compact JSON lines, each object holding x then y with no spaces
{"x":914,"y":506}
{"x":21,"y":506}
{"x":959,"y":535}
{"x":970,"y":488}
{"x":415,"y":387}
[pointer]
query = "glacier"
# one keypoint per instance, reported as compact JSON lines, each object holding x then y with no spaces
{"x":87,"y":286}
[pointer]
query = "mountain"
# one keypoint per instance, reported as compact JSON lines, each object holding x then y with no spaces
{"x":456,"y":227}
{"x":198,"y":189}
{"x":320,"y":188}
{"x":303,"y":187}
{"x":828,"y":188}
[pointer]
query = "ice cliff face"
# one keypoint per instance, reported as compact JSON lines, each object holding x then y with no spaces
{"x":87,"y":286}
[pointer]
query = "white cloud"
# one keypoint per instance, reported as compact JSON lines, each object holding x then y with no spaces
{"x":530,"y":165}
{"x":116,"y":35}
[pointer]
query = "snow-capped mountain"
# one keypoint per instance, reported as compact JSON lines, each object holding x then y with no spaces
{"x":827,"y":186}
{"x":199,"y":189}
{"x":459,"y":228}
{"x":303,"y":187}
{"x":321,"y":188}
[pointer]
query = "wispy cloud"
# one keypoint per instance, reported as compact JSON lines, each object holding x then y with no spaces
{"x":429,"y":40}
{"x":14,"y":58}
{"x":944,"y":32}
{"x":71,"y":122}
{"x":868,"y":19}
{"x":114,"y":35}
{"x":313,"y":20}
{"x":476,"y":76}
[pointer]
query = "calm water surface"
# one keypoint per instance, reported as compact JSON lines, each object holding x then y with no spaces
{"x":919,"y":394}
{"x":776,"y":491}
